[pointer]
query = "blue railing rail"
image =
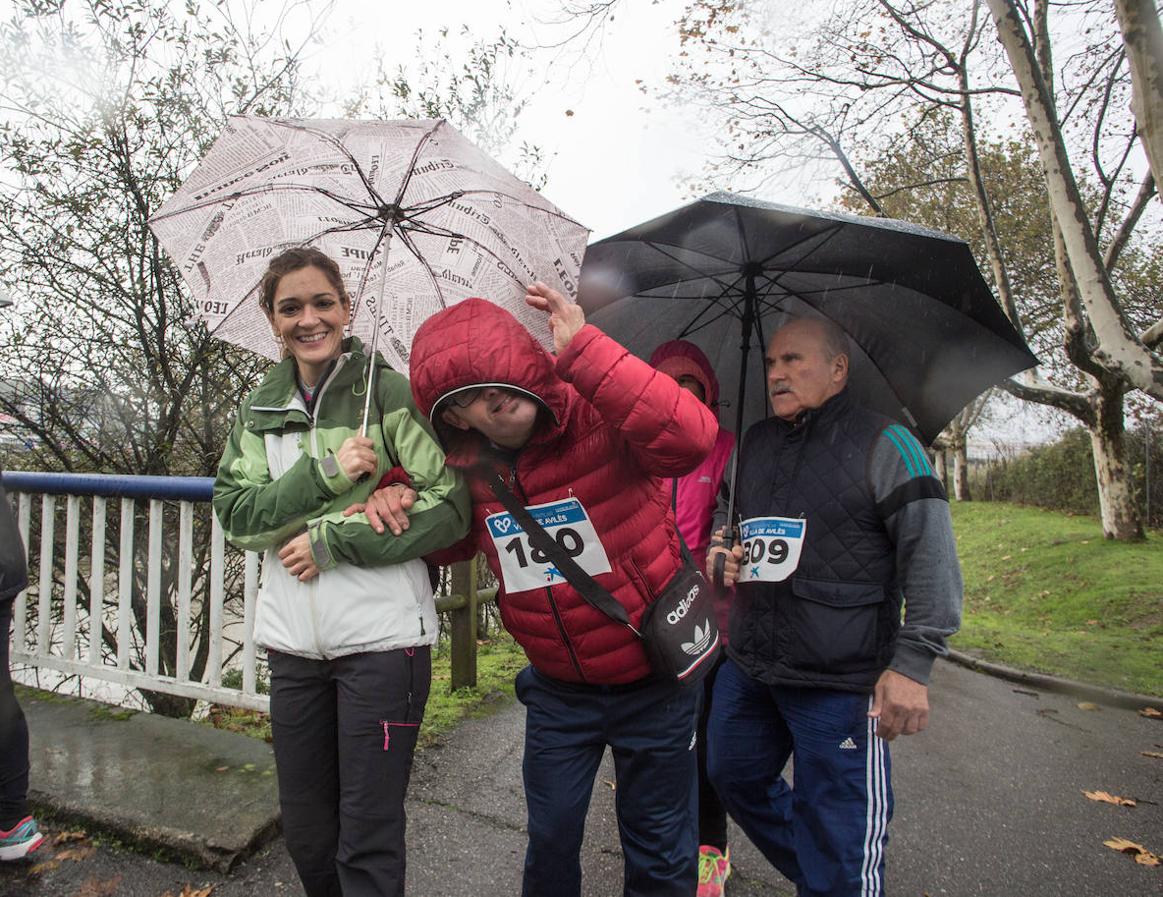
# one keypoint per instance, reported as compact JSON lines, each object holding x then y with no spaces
{"x":109,"y":485}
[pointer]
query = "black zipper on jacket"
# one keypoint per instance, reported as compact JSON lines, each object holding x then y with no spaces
{"x":515,"y":484}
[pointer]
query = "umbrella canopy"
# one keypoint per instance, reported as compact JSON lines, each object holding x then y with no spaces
{"x":726,"y":271}
{"x":462,"y":225}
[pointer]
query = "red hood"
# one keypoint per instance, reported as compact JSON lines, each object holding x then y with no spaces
{"x":679,"y":357}
{"x":474,"y":343}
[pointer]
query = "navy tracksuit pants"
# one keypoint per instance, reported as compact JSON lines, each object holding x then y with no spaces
{"x":650,"y":728}
{"x":828,"y":833}
{"x":344,"y":734}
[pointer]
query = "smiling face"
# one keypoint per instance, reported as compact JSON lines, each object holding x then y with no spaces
{"x":308,"y":314}
{"x":504,"y":417}
{"x":802,"y":371}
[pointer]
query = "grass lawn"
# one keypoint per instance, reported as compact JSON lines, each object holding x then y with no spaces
{"x":1046,"y":592}
{"x":498,"y":662}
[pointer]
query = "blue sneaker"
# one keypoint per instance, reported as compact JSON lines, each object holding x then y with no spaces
{"x":22,"y":840}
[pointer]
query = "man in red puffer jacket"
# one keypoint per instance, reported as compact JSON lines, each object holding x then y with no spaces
{"x":599,"y":427}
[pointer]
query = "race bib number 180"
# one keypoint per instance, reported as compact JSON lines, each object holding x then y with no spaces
{"x":525,"y":567}
{"x":771,"y":548}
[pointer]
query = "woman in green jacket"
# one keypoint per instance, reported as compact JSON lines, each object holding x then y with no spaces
{"x":346,"y":614}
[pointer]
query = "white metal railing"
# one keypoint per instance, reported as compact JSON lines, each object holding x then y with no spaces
{"x":67,"y":635}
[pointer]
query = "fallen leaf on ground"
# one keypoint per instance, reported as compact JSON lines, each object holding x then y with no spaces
{"x":1107,"y":798}
{"x":191,"y":891}
{"x":1154,"y":755}
{"x":1087,"y":705}
{"x":42,"y":868}
{"x":1138,"y":851}
{"x":95,"y":887}
{"x":1151,"y":713}
{"x":66,"y":837}
{"x":78,"y":853}
{"x":613,"y":785}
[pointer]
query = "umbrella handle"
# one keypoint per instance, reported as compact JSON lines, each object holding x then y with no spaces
{"x":720,"y":563}
{"x":717,"y":569}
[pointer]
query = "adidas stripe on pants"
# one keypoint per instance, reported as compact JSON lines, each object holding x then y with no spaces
{"x":828,"y":833}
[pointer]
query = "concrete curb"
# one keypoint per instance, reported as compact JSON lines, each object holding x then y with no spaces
{"x":182,"y":788}
{"x":1110,"y":696}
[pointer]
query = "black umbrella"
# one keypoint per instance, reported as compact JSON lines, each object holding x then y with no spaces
{"x":725,"y":271}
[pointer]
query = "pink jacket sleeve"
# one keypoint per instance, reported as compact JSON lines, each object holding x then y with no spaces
{"x":667,"y":429}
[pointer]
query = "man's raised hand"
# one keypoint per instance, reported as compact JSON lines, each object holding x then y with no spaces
{"x":565,"y":318}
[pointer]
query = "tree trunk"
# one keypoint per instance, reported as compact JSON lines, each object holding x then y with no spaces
{"x":1116,"y":496}
{"x":1144,"y":44}
{"x":941,"y":467}
{"x":961,"y":472}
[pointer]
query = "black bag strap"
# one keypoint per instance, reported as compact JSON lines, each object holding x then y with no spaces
{"x":585,"y":585}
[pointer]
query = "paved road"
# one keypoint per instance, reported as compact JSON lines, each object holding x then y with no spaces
{"x":989,"y":802}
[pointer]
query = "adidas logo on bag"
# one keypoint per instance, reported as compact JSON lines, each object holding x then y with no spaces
{"x":683,"y":606}
{"x":702,"y":639}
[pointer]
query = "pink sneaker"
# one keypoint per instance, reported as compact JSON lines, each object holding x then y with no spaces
{"x":714,"y":868}
{"x":24,"y":838}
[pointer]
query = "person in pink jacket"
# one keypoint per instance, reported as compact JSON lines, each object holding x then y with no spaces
{"x":694,"y":506}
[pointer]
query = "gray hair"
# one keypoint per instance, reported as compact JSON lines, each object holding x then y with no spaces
{"x":833,"y":337}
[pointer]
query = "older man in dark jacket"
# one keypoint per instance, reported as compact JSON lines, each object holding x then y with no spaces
{"x":842,"y":522}
{"x":19,"y":835}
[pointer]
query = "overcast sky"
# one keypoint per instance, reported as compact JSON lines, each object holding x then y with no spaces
{"x":616,"y":160}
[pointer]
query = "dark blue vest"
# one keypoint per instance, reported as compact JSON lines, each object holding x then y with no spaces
{"x":834,"y":622}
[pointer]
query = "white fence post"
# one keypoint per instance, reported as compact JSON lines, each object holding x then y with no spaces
{"x":48,"y":508}
{"x":72,"y":538}
{"x":97,"y":581}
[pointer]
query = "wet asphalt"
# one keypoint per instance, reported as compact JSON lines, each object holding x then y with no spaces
{"x":988,"y":802}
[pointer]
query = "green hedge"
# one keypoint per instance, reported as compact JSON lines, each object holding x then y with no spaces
{"x":1060,"y":475}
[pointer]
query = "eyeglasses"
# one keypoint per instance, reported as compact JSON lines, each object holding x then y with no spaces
{"x":466,"y":397}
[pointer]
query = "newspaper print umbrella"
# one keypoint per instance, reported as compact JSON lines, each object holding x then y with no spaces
{"x":457,"y":223}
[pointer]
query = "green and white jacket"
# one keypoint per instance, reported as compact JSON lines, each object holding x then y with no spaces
{"x":279,"y":477}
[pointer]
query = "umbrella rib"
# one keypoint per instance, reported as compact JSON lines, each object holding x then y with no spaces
{"x":552,"y":212}
{"x":265,"y":188}
{"x":725,"y":310}
{"x":367,"y":268}
{"x":661,"y":249}
{"x":407,"y":178}
{"x":336,"y":143}
{"x":406,"y":239}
